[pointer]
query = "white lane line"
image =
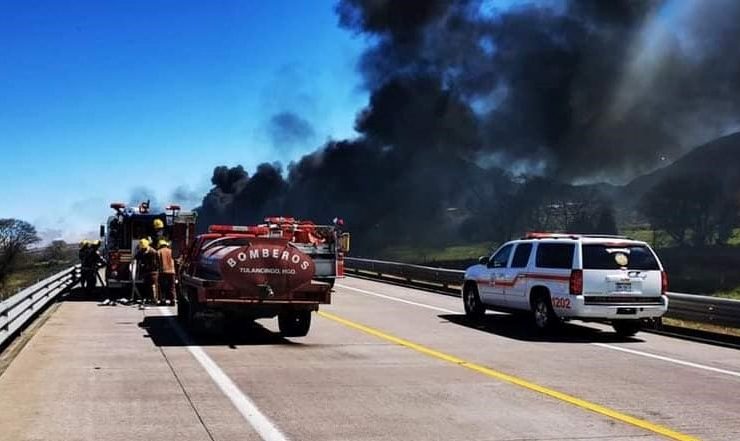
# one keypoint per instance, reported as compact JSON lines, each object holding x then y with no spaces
{"x":261,"y":424}
{"x":602,"y":345}
{"x":396,"y":299}
{"x":668,"y":359}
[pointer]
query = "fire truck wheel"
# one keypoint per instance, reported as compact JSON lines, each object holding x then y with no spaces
{"x":294,"y":323}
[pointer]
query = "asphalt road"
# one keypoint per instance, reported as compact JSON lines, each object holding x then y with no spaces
{"x":382,"y":363}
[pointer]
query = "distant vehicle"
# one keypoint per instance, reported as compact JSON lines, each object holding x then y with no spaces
{"x":558,"y":277}
{"x":284,"y":268}
{"x":122,"y":232}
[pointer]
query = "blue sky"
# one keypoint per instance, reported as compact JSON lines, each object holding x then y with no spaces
{"x":99,"y":98}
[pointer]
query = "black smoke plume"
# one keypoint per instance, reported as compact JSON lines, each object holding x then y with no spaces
{"x":185,"y":197}
{"x":287,"y":129}
{"x":597,"y":90}
{"x":463,"y":96}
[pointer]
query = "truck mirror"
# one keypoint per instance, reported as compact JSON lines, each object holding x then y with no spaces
{"x":102,"y":231}
{"x":483,"y":260}
{"x":344,"y":242}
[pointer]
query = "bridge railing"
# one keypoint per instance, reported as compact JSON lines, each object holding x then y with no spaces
{"x":16,"y":311}
{"x":696,"y":308}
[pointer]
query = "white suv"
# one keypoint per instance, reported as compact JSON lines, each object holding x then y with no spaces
{"x":563,"y":276}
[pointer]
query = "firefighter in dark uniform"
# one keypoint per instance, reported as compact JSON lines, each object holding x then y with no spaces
{"x":148,"y":261}
{"x":84,"y":247}
{"x":92,"y":262}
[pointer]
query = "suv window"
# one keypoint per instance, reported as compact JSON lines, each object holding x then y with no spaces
{"x":521,"y":255}
{"x":500,"y":259}
{"x":555,"y":255}
{"x":606,"y":257}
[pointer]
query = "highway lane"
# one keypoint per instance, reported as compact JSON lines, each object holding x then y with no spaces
{"x":651,"y":344}
{"x":93,"y":373}
{"x":341,"y":383}
{"x":581,"y":359}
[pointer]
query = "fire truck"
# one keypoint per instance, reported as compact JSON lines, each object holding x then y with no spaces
{"x":284,"y":268}
{"x":123,"y":230}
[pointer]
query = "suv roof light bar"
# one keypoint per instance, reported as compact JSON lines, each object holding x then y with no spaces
{"x":541,"y":235}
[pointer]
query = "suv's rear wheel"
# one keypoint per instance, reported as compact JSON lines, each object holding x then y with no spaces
{"x":183,"y":310}
{"x":294,"y":323}
{"x":626,"y":328}
{"x":471,"y":301}
{"x":542,"y":312}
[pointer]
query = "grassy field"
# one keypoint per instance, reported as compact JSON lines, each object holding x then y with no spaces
{"x":706,"y":327}
{"x":729,"y":294}
{"x":662,"y":240}
{"x":33,"y":268}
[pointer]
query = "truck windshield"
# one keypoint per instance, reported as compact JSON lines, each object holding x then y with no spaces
{"x":226,"y":241}
{"x":604,"y":257}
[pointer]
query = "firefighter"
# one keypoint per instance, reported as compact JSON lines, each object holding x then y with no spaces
{"x":166,"y":272}
{"x":148,"y":259}
{"x":158,"y":231}
{"x":91,"y":263}
{"x":81,"y":255}
{"x":83,"y":248}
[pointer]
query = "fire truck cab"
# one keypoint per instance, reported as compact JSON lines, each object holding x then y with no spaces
{"x":325,"y":244}
{"x":123,"y":230}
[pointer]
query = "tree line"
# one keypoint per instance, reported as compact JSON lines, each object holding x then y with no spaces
{"x":690,"y":209}
{"x":693,"y":209}
{"x":15,"y":238}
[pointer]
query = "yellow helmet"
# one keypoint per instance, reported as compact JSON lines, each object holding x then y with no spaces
{"x":144,"y":243}
{"x":96,"y":243}
{"x":162,"y":243}
{"x":158,"y":224}
{"x":84,"y":243}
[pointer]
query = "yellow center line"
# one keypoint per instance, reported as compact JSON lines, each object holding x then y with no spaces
{"x":593,"y":407}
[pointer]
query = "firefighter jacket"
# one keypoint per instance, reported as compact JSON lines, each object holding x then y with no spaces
{"x":166,"y":262}
{"x":148,"y":259}
{"x":92,"y":259}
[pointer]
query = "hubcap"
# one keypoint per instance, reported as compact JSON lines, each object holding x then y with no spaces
{"x":540,"y":314}
{"x":470,"y":299}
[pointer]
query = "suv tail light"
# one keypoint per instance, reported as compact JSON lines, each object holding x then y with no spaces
{"x":663,"y":282}
{"x":576,"y":282}
{"x":340,"y":266}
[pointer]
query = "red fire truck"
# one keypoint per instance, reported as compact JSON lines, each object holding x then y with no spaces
{"x":284,"y":268}
{"x":128,"y":225}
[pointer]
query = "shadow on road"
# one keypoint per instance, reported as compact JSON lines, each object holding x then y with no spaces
{"x":161,"y":329}
{"x":519,"y":328}
{"x":80,"y":295}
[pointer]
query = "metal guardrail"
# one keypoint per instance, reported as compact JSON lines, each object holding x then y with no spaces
{"x":704,"y":309}
{"x":444,"y":278}
{"x":696,"y":308}
{"x":17,"y":310}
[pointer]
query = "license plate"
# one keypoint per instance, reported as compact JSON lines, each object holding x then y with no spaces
{"x":624,"y":287}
